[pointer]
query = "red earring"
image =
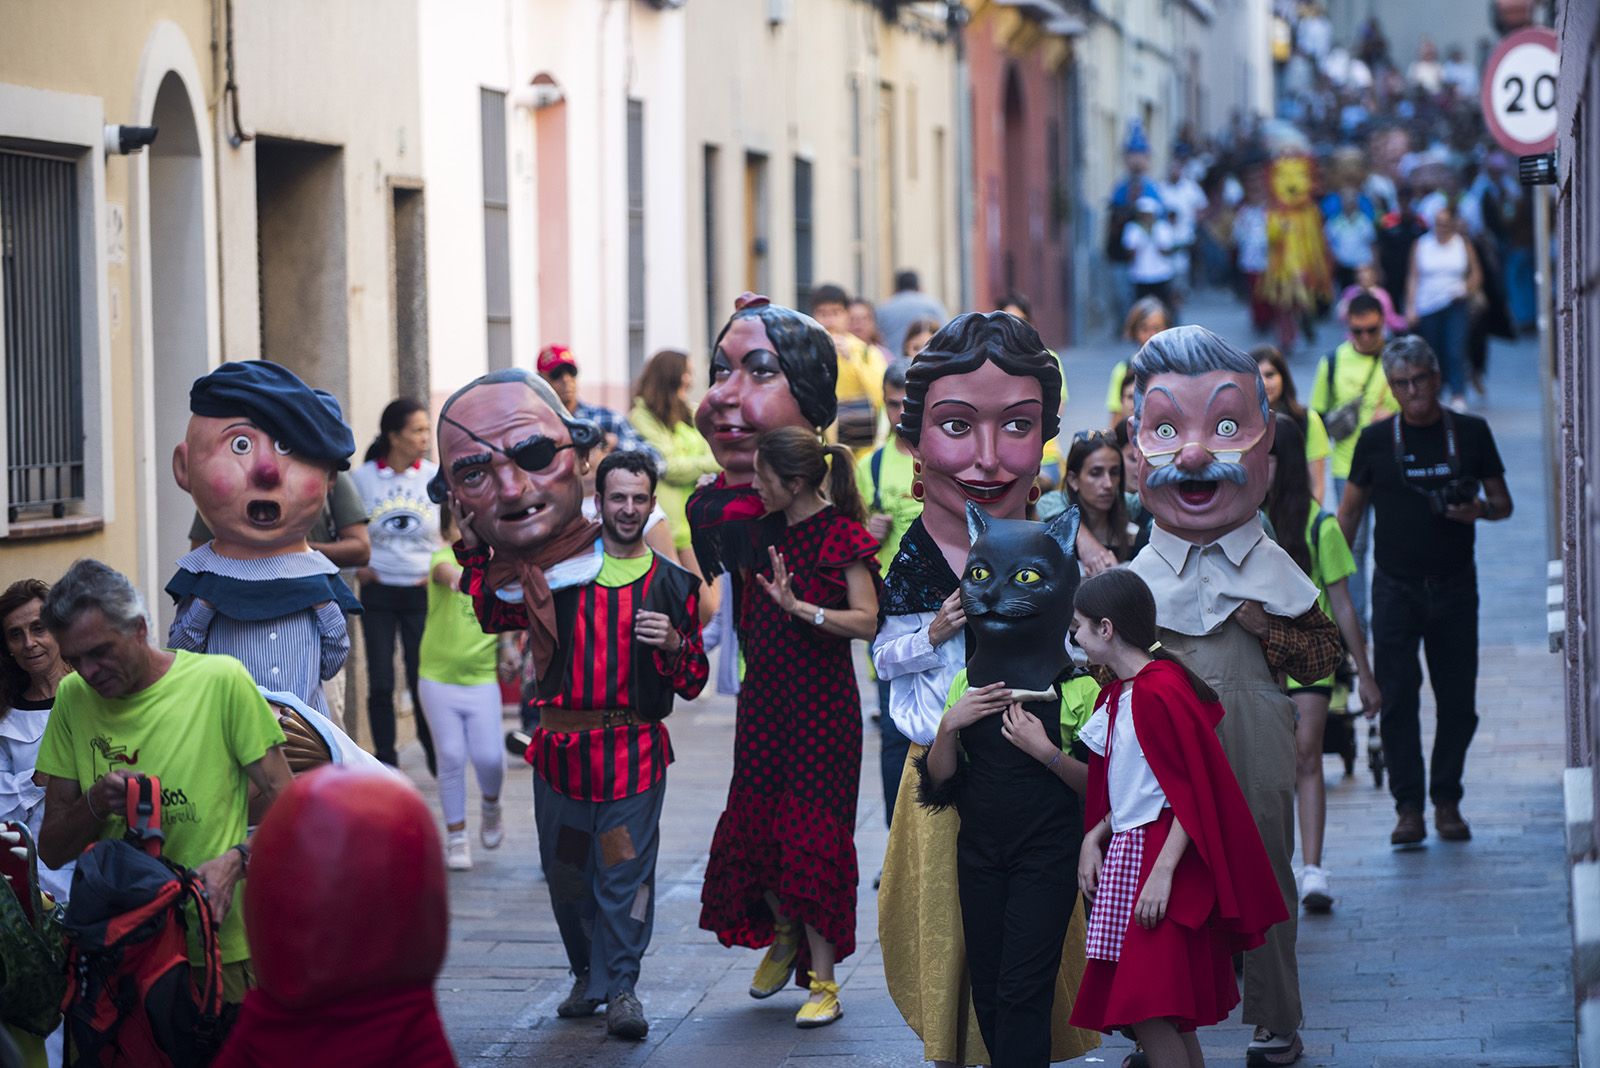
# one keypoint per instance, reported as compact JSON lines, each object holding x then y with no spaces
{"x":1034,"y":492}
{"x":916,"y":467}
{"x":916,"y":489}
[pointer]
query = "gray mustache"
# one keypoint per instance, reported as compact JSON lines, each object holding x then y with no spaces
{"x":1215,"y":471}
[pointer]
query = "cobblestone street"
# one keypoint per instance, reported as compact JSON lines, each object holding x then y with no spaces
{"x":1448,"y":954}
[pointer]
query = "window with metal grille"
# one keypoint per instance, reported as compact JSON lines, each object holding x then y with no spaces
{"x":496,"y":229}
{"x":804,"y":243}
{"x":43,"y":337}
{"x":636,"y":302}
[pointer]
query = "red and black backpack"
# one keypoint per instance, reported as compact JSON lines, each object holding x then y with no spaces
{"x":133,"y":1000}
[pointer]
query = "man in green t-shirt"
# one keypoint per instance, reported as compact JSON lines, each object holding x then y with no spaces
{"x":885,"y":478}
{"x":194,"y":721}
{"x":1351,"y":377}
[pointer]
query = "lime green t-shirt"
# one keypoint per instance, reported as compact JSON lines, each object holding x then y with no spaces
{"x":617,"y":571}
{"x":894,"y":493}
{"x":1351,"y":374}
{"x":1078,"y":696}
{"x":1114,"y":388}
{"x":1331,"y":561}
{"x":455,"y":650}
{"x":195,"y":728}
{"x":1317,"y":445}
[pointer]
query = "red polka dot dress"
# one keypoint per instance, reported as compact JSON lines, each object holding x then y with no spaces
{"x":789,"y":824}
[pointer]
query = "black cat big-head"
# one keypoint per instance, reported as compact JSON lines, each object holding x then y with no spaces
{"x":1017,"y":591}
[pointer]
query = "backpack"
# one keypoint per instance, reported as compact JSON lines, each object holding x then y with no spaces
{"x":132,"y":1000}
{"x":876,"y":466}
{"x":33,"y":960}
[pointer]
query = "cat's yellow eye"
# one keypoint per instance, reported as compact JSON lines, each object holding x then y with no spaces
{"x":1026,"y":577}
{"x":977,"y":573}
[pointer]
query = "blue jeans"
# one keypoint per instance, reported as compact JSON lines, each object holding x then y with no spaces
{"x":1357,"y":582}
{"x":1445,"y":331}
{"x":892,"y":749}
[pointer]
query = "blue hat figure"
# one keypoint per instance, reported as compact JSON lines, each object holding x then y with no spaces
{"x":1137,"y":140}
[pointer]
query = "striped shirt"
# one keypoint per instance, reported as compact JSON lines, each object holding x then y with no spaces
{"x":611,"y":763}
{"x":292,"y":652}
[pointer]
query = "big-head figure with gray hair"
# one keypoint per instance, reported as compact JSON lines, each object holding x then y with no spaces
{"x":1232,"y":604}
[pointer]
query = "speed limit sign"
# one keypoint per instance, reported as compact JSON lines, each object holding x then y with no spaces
{"x":1519,"y":91}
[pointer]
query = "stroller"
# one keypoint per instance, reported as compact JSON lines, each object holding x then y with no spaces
{"x":1339,"y":732}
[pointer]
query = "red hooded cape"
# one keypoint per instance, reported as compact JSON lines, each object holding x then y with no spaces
{"x":1225,"y":881}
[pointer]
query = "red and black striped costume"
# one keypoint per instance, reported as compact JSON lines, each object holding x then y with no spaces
{"x":598,"y":666}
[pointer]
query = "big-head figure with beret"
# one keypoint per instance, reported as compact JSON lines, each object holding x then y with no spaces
{"x":259,"y":456}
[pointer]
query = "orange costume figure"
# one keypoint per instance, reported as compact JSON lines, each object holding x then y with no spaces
{"x":1299,"y":278}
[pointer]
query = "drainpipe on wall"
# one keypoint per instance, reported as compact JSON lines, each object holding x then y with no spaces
{"x":964,"y":207}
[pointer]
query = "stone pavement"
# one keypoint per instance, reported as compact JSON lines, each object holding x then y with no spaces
{"x":1449,"y":954}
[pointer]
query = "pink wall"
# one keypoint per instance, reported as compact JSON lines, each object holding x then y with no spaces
{"x":1018,"y":244}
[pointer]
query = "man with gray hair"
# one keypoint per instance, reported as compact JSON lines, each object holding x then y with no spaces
{"x":1429,"y":474}
{"x":1233,"y":606}
{"x":194,"y":721}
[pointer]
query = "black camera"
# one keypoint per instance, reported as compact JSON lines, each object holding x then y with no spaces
{"x":1454,"y":492}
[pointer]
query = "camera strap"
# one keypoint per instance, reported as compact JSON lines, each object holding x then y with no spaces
{"x":1452,"y":453}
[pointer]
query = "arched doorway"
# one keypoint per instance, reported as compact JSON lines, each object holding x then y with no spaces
{"x":1014,"y":213}
{"x":178,"y":325}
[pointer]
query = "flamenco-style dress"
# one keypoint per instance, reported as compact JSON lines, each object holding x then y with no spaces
{"x":789,"y":824}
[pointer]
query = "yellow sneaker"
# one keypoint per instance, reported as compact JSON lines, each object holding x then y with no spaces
{"x":824,"y":1012}
{"x":778,"y":965}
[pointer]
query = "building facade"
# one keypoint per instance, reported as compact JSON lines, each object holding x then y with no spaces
{"x":822,"y":147}
{"x":1577,"y":326}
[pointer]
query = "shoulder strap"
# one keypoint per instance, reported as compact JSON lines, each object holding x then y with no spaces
{"x":1323,"y":515}
{"x":1332,"y":362}
{"x":876,"y":466}
{"x":143,"y":813}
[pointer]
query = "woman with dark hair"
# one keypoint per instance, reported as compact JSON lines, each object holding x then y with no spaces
{"x":1281,"y":395}
{"x":918,"y":334}
{"x":981,"y":401}
{"x":1094,"y":482}
{"x":30,"y":669}
{"x":1147,"y":318}
{"x":1312,"y":538}
{"x":1173,"y":860}
{"x":404,"y":529}
{"x":663,"y":418}
{"x":782,"y":873}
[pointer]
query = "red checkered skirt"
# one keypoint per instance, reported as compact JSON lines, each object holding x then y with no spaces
{"x":1168,"y":970}
{"x":1115,"y":896}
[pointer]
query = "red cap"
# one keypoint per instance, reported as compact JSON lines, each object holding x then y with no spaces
{"x":553,"y":358}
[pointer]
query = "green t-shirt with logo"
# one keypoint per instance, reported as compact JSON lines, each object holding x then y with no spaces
{"x":895,"y":476}
{"x":195,"y":729}
{"x":455,"y":650}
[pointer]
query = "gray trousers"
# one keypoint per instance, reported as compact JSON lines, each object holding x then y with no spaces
{"x":599,"y":860}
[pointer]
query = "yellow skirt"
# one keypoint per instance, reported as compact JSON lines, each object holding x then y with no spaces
{"x":924,"y":954}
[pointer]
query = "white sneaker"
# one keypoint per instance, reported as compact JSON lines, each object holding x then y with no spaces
{"x":457,"y":857}
{"x":491,"y":832}
{"x":1314,"y":892}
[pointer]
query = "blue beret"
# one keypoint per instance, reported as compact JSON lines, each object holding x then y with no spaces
{"x":271,"y":396}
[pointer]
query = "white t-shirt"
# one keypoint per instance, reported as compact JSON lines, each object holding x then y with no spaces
{"x":1150,"y":248}
{"x":918,"y":672}
{"x":1441,"y":272}
{"x":403,"y":523}
{"x":1136,"y":796}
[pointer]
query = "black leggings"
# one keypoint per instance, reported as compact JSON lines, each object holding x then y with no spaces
{"x":388,"y":611}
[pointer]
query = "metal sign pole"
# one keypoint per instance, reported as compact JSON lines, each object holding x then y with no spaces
{"x":1551,"y":407}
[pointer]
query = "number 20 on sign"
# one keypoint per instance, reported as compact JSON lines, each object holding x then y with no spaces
{"x":1519,"y":91}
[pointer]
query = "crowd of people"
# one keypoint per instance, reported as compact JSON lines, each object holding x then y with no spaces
{"x":1103,"y":658}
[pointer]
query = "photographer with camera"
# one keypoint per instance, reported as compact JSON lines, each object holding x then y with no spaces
{"x":1430,"y":475}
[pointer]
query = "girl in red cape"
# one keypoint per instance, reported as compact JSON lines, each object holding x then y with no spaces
{"x":1173,"y":860}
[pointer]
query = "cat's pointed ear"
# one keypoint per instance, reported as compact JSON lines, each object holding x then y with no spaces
{"x":977,"y":522}
{"x":1064,"y":529}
